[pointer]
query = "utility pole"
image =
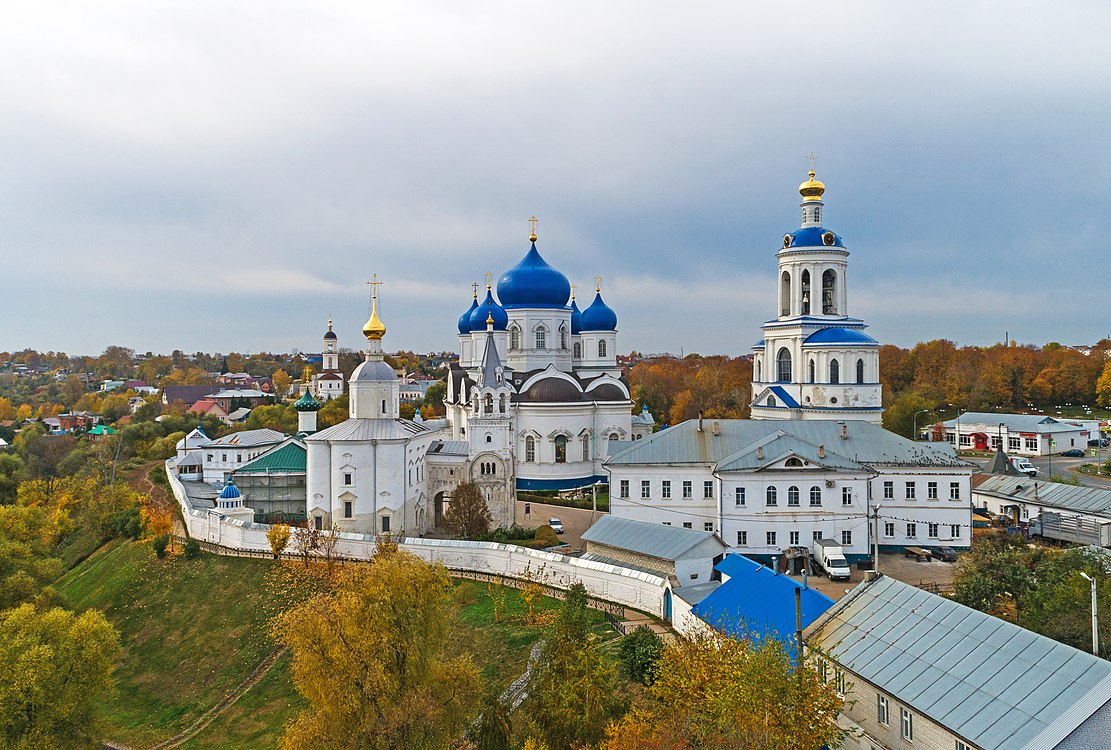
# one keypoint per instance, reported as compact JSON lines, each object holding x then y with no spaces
{"x":876,"y":539}
{"x":1095,"y":615}
{"x":798,"y":625}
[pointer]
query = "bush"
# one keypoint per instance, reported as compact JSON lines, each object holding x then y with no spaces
{"x":128,"y":522}
{"x":639,"y":653}
{"x":546,"y":537}
{"x":514,"y":533}
{"x":192,"y":549}
{"x":159,"y":545}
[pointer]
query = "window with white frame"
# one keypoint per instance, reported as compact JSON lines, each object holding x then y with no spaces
{"x":624,"y":488}
{"x":911,"y":490}
{"x":739,"y":496}
{"x":771,"y":497}
{"x":846,"y":495}
{"x":602,"y":349}
{"x":347,"y":479}
{"x":815,"y":496}
{"x":846,"y":538}
{"x":665,"y":489}
{"x":770,"y":537}
{"x":645,"y":488}
{"x":586,"y":447}
{"x":888,"y":490}
{"x":708,"y":488}
{"x":541,"y":338}
{"x":840,"y":682}
{"x":514,"y":338}
{"x":908,"y":725}
{"x":742,"y":538}
{"x":931,"y":530}
{"x":912,"y":530}
{"x":688,"y":489}
{"x":687,"y":525}
{"x":708,"y":525}
{"x":883,"y":715}
{"x":1031,"y":444}
{"x":954,"y":490}
{"x":889,"y":528}
{"x":793,"y":496}
{"x":966,"y":440}
{"x":793,"y":537}
{"x":962,"y":746}
{"x":955,"y":530}
{"x":816,"y":535}
{"x":530,"y":449}
{"x":931,"y":490}
{"x":1013,"y":443}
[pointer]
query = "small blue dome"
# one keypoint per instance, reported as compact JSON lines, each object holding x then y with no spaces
{"x":814,"y":237}
{"x":759,"y":344}
{"x":599,"y":316}
{"x":230,"y":491}
{"x":533,"y":283}
{"x":489,"y":308}
{"x":843,"y":336}
{"x":465,"y":318}
{"x":576,"y":319}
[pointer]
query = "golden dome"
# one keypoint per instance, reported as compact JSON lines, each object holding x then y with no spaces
{"x":811,"y":190}
{"x":374,"y":330}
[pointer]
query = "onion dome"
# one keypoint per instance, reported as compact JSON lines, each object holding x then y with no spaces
{"x":812,"y":237}
{"x":307,"y":402}
{"x":811,"y":190}
{"x":533,"y":283}
{"x":489,"y":310}
{"x":840,"y":337}
{"x":465,"y":318}
{"x":552,"y":390}
{"x":230,"y":491}
{"x":576,"y":318}
{"x":374,"y":329}
{"x":599,"y":316}
{"x":330,"y":335}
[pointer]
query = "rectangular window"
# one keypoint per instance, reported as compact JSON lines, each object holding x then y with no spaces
{"x":708,"y":526}
{"x":347,"y":509}
{"x":955,"y":530}
{"x":889,"y":528}
{"x":794,"y":538}
{"x":840,"y":682}
{"x":347,"y":480}
{"x":888,"y":490}
{"x":667,"y":523}
{"x":771,"y":538}
{"x":954,"y":490}
{"x":961,"y":746}
{"x":665,"y":489}
{"x":708,"y":488}
{"x":912,"y":530}
{"x":645,"y":488}
{"x":816,"y":535}
{"x":688,"y":489}
{"x":687,"y":525}
{"x":846,"y":538}
{"x":846,"y":495}
{"x":931,"y":490}
{"x":882,"y":714}
{"x":931,"y":530}
{"x":910,"y":490}
{"x":742,"y":538}
{"x":1031,"y":444}
{"x":385,"y":524}
{"x":966,"y":440}
{"x":908,"y":725}
{"x":739,"y":496}
{"x":1013,"y":443}
{"x":823,"y":670}
{"x":223,"y":456}
{"x":624,"y":488}
{"x":995,"y":442}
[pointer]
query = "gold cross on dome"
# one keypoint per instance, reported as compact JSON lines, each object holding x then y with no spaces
{"x":572,"y":291}
{"x":489,"y":277}
{"x":374,"y":283}
{"x":532,"y":222}
{"x":474,"y":289}
{"x":597,"y":283}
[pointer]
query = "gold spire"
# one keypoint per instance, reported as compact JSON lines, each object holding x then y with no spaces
{"x":598,"y":284}
{"x":329,"y":324}
{"x":374,"y":330}
{"x":474,"y":288}
{"x":572,"y":292}
{"x":811,"y":190}
{"x":489,"y":319}
{"x":532,"y":228}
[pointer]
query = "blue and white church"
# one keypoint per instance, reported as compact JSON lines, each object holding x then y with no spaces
{"x":815,"y":361}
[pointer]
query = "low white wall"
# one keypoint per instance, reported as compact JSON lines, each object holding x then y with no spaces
{"x":624,"y":586}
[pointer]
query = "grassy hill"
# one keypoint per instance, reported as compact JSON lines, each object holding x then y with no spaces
{"x":192,"y":630}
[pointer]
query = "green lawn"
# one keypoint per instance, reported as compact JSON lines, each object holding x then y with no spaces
{"x":194,"y":629}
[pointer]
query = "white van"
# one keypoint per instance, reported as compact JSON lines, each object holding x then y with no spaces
{"x":1023,"y":465}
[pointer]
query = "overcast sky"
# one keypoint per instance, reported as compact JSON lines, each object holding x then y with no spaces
{"x":224,"y":176}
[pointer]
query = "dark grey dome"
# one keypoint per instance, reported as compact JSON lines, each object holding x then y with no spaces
{"x":373,"y":370}
{"x":607,"y":392}
{"x":552,"y":389}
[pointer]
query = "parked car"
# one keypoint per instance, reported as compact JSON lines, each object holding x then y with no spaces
{"x":945,"y":554}
{"x":1099,"y":442}
{"x":556,"y":524}
{"x":1073,"y":453}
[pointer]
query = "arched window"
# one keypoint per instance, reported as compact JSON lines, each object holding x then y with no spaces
{"x":815,"y":495}
{"x":793,"y":463}
{"x":493,"y":468}
{"x":562,"y":337}
{"x":541,"y":338}
{"x":834,"y":371}
{"x":793,"y":496}
{"x":783,"y":366}
{"x":560,"y":449}
{"x":860,"y":371}
{"x":601,"y":350}
{"x":530,"y":449}
{"x":586,"y":447}
{"x":810,"y":371}
{"x":489,"y":403}
{"x":489,"y":439}
{"x":501,"y":403}
{"x":578,"y":350}
{"x":805,"y":292}
{"x":771,"y":401}
{"x":613,"y":437}
{"x":772,"y":496}
{"x":785,"y":294}
{"x":383,"y":406}
{"x":514,"y":338}
{"x":759,"y":368}
{"x":829,"y":292}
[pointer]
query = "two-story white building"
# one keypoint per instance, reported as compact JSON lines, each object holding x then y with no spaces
{"x":1018,"y":434}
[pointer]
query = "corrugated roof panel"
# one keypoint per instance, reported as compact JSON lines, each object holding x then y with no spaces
{"x":652,"y":539}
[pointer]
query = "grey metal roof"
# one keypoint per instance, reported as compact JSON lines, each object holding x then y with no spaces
{"x":652,"y":539}
{"x":1014,"y":422}
{"x":369,"y":429}
{"x":864,"y":443}
{"x":780,"y":445}
{"x":240,"y":393}
{"x":992,"y":683}
{"x":1081,"y":499}
{"x":694,"y":595}
{"x":448,"y":448}
{"x":375,"y":370}
{"x":247,"y":439}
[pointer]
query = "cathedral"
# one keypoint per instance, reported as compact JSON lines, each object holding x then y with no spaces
{"x":815,"y":361}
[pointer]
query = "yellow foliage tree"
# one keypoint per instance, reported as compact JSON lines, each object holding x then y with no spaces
{"x":278,"y":536}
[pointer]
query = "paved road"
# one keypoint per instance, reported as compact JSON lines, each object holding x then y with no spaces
{"x":1063,"y":466}
{"x":575,"y":520}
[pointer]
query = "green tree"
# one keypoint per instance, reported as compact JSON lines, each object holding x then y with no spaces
{"x":26,"y":565}
{"x":1059,"y":604}
{"x":373,"y":659}
{"x":994,"y":575}
{"x":435,"y":396}
{"x":57,"y":667}
{"x":639,"y":653}
{"x":467,"y":515}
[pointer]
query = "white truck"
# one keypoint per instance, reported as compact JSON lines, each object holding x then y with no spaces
{"x":1023,"y":465}
{"x":830,"y":557}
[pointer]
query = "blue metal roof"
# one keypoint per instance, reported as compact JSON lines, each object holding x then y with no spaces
{"x":812,"y":237}
{"x":230,"y":491}
{"x":759,"y":344}
{"x":465,"y":318}
{"x":533,"y":283}
{"x":576,"y":318}
{"x":599,"y":316}
{"x":757,"y":602}
{"x":787,"y":399}
{"x":489,"y":309}
{"x":850,"y":336}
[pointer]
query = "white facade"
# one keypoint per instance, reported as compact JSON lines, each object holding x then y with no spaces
{"x":1017,"y":434}
{"x":815,"y":362}
{"x":328,"y":383}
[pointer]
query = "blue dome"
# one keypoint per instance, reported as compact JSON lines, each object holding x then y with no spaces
{"x":533,"y":283}
{"x":489,"y":308}
{"x":230,"y":491}
{"x":813,"y":237}
{"x":599,"y":316}
{"x":759,"y":344}
{"x":576,"y":319}
{"x":843,"y":336}
{"x":465,"y":318}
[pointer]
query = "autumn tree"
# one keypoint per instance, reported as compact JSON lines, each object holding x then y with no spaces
{"x":278,"y":536}
{"x":306,"y":539}
{"x":373,"y":660}
{"x":26,"y":565}
{"x":467,"y":515}
{"x":282,"y":382}
{"x":57,"y":668}
{"x":719,"y":692}
{"x":994,"y":575}
{"x":639,"y":653}
{"x":1103,"y":386}
{"x":327,"y":544}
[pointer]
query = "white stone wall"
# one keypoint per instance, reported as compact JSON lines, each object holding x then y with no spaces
{"x":923,"y":510}
{"x":528,"y":357}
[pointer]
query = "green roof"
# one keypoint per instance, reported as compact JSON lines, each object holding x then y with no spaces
{"x":102,"y":430}
{"x":289,"y":458}
{"x":307,"y":402}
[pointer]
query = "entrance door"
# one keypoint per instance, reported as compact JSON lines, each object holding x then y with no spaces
{"x":667,"y":605}
{"x":438,"y":505}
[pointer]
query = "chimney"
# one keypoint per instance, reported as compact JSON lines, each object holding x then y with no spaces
{"x":759,"y":453}
{"x":700,"y":421}
{"x":716,"y":427}
{"x":844,"y":431}
{"x":775,"y":565}
{"x":804,"y":567}
{"x":822,"y":450}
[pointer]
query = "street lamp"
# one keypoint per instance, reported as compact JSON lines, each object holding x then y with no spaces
{"x":1095,"y":615}
{"x":920,"y":411}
